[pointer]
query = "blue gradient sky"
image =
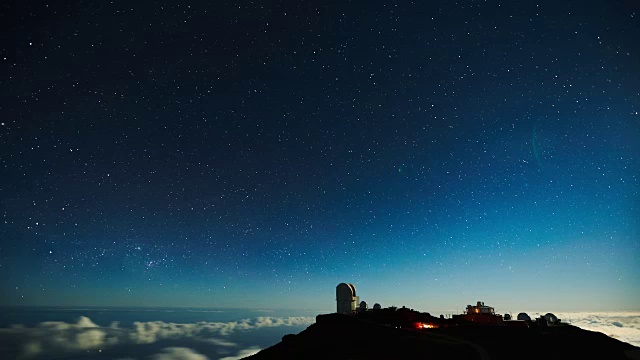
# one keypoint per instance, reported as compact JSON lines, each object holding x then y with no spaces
{"x":237,"y":155}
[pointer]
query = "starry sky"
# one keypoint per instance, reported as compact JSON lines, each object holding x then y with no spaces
{"x":255,"y":154}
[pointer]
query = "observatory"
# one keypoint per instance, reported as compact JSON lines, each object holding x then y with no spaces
{"x":377,"y":306}
{"x":346,"y":298}
{"x":480,"y":308}
{"x":480,"y":313}
{"x":551,"y":319}
{"x":524,"y":317}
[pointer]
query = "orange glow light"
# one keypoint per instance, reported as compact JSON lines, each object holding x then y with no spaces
{"x":425,"y":326}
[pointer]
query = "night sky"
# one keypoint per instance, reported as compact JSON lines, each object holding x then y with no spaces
{"x":256,"y":154}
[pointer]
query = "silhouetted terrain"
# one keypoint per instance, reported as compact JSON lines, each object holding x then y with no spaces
{"x":337,"y":336}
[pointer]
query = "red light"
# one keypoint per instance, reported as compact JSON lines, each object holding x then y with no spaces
{"x":425,"y":326}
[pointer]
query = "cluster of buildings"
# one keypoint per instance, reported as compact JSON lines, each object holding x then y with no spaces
{"x":348,"y":302}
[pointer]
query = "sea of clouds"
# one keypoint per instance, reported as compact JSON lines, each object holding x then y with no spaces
{"x":624,"y":325}
{"x":59,"y":339}
{"x":56,"y":338}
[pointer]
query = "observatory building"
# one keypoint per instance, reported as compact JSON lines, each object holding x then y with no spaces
{"x":480,"y":313}
{"x":346,"y":298}
{"x":551,"y":319}
{"x":363,"y":306}
{"x":524,"y":317}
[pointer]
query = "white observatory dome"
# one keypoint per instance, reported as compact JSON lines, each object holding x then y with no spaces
{"x":346,"y":298}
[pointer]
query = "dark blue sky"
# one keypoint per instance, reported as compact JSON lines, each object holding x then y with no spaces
{"x":255,"y":155}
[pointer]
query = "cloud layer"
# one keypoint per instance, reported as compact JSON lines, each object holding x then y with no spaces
{"x":243,"y":354}
{"x":55,"y":338}
{"x":183,"y":353}
{"x":178,"y":353}
{"x":624,"y":326}
{"x":61,"y":337}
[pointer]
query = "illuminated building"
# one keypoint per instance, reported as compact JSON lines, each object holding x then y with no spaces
{"x":480,"y":313}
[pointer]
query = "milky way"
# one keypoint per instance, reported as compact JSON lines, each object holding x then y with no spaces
{"x":257,"y":154}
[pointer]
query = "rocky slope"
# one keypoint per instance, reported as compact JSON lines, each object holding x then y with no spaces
{"x":351,"y":337}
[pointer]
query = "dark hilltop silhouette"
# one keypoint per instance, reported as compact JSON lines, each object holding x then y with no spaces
{"x":363,"y":333}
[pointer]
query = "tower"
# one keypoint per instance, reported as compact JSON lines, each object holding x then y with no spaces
{"x":346,"y":298}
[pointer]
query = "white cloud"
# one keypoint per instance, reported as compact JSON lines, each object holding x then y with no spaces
{"x":85,"y":322}
{"x":243,"y":354}
{"x":216,"y":341}
{"x":84,"y":335}
{"x":61,"y":336}
{"x":178,"y":353}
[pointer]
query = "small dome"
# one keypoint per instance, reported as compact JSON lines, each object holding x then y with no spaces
{"x":377,"y":306}
{"x":551,"y":318}
{"x":524,"y":316}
